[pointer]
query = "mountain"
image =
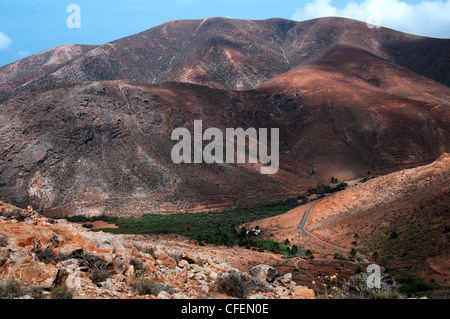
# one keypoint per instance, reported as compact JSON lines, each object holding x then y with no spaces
{"x":91,"y":134}
{"x":23,"y":74}
{"x":224,"y":53}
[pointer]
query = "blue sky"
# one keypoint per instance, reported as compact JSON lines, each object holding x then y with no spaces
{"x":29,"y":26}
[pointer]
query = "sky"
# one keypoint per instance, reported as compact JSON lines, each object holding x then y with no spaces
{"x":30,"y":26}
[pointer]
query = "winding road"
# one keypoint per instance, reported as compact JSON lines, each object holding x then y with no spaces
{"x":303,"y":230}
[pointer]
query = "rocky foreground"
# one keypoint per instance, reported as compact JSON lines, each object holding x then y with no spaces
{"x":48,"y":255}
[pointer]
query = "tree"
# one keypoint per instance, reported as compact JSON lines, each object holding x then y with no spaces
{"x":309,"y":254}
{"x":356,"y":236}
{"x":353,"y":252}
{"x":375,"y":255}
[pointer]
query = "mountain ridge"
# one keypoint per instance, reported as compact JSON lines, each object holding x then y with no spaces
{"x":234,"y":54}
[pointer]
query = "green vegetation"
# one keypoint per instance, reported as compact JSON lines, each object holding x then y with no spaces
{"x":14,"y":289}
{"x":11,"y":289}
{"x":414,"y":285}
{"x":61,"y":292}
{"x":406,"y":244}
{"x":327,"y":189}
{"x":218,"y":228}
{"x":339,"y":256}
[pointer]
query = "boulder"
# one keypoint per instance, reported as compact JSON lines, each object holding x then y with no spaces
{"x":286,"y":278}
{"x":183,"y":264}
{"x":163,"y":259}
{"x":302,"y":292}
{"x":263,"y":273}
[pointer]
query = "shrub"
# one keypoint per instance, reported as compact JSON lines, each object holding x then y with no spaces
{"x":394,"y":235}
{"x":37,"y":292}
{"x":88,"y":259}
{"x":11,"y":289}
{"x":61,"y":292}
{"x":137,"y":264}
{"x":414,"y":285}
{"x":167,"y":288}
{"x":3,"y":241}
{"x":47,"y":255}
{"x":239,"y":285}
{"x":99,"y":275}
{"x":17,"y":214}
{"x":145,"y":287}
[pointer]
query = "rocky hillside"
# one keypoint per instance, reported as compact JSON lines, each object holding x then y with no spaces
{"x":47,"y":258}
{"x":401,"y":220}
{"x":109,"y":142}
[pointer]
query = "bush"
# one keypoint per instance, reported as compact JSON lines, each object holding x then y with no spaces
{"x":145,"y":287}
{"x":47,"y":255}
{"x":11,"y":289}
{"x":3,"y":241}
{"x":37,"y":293}
{"x":17,"y":214}
{"x":99,"y":275}
{"x":414,"y":285}
{"x":394,"y":235}
{"x":138,"y":266}
{"x":61,"y":292}
{"x":90,"y":260}
{"x":239,"y":285}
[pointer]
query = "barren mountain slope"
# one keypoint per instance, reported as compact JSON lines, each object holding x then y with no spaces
{"x":402,"y":216}
{"x":21,"y":75}
{"x":105,"y":147}
{"x":227,"y":53}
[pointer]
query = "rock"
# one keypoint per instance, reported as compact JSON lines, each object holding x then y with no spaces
{"x":263,"y":273}
{"x":213,"y":275}
{"x":205,"y":288}
{"x":183,"y":264}
{"x":190,"y":275}
{"x":79,"y":278}
{"x":130,"y":273}
{"x":61,"y":277}
{"x":22,"y":267}
{"x":188,"y":258}
{"x":119,"y":264}
{"x":114,"y":284}
{"x":282,"y":292}
{"x":163,"y":259}
{"x":286,"y":278}
{"x":196,"y":268}
{"x":302,"y":292}
{"x":149,"y":267}
{"x":199,"y":276}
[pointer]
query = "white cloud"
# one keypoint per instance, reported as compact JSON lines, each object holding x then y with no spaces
{"x":429,"y":18}
{"x":5,"y":41}
{"x":23,"y":54}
